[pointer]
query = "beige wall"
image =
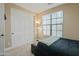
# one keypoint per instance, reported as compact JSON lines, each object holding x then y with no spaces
{"x":71,"y":19}
{"x":8,"y":40}
{"x":38,"y":29}
{"x":7,"y":27}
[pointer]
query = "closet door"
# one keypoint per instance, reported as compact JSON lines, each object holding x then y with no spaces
{"x":21,"y":27}
{"x":17,"y":27}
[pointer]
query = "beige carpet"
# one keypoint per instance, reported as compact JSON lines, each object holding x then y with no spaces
{"x":24,"y":50}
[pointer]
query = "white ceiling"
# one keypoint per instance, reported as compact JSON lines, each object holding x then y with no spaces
{"x":38,"y":7}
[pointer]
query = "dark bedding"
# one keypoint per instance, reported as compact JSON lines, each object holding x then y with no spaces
{"x":61,"y":47}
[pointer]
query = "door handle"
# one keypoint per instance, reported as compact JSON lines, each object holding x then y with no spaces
{"x":2,"y":35}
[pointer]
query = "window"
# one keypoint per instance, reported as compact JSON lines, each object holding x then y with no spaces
{"x":46,"y":25}
{"x":52,"y":24}
{"x":57,"y":23}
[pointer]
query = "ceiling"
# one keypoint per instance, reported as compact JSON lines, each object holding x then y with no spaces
{"x":37,"y":7}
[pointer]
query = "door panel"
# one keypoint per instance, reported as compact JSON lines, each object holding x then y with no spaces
{"x":2,"y":29}
{"x":17,"y":28}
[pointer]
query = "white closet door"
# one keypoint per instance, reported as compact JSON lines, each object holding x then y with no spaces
{"x":17,"y":27}
{"x":21,"y":27}
{"x":2,"y":29}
